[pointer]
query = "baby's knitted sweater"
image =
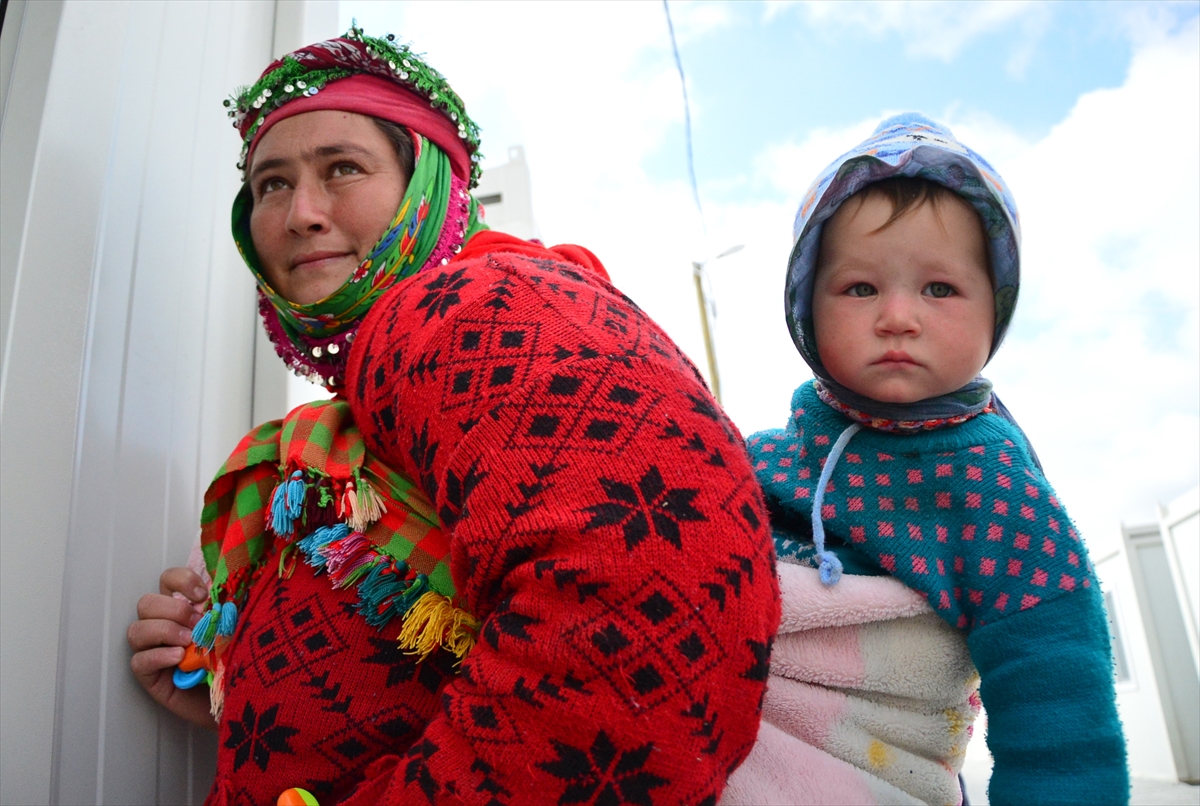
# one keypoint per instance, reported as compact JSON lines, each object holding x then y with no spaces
{"x":962,"y":515}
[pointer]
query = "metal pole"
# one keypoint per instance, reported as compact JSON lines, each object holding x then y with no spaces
{"x":710,"y":351}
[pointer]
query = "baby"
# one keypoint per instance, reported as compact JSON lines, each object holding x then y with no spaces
{"x":900,"y":464}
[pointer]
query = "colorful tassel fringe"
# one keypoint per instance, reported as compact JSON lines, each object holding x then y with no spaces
{"x":379,"y":592}
{"x":344,"y":557}
{"x":313,"y":545}
{"x":228,"y":620}
{"x":362,"y":506}
{"x":205,"y":630}
{"x":432,"y":622}
{"x":287,"y":504}
{"x":319,"y":509}
{"x":216,"y":692}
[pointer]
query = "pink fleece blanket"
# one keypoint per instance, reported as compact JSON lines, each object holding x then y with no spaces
{"x":870,"y":701}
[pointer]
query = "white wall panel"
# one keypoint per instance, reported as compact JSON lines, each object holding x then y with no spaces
{"x":127,"y":378}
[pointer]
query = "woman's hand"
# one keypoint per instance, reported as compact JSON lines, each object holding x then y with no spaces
{"x":158,"y":638}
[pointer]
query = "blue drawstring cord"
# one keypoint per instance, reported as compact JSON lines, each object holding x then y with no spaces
{"x":830,"y":566}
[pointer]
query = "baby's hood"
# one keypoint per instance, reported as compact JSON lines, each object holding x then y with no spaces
{"x":915,"y":146}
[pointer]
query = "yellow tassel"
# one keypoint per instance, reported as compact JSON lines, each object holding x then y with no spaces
{"x":364,"y":504}
{"x":435,"y":622}
{"x":461,"y":635}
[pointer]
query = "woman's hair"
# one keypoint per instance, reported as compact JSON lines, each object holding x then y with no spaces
{"x":401,"y":141}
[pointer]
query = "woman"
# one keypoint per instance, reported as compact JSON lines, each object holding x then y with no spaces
{"x":488,"y":570}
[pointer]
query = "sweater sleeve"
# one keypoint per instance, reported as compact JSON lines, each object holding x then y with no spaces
{"x":964,"y":516}
{"x":1047,"y":685}
{"x":605,"y":528}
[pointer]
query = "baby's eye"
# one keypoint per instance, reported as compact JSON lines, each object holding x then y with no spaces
{"x":939,"y":290}
{"x":861,"y":290}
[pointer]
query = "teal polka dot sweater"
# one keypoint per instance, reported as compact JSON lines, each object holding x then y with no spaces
{"x":963,"y":515}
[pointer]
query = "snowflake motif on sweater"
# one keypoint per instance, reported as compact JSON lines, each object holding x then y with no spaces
{"x":960,"y":514}
{"x":605,"y":527}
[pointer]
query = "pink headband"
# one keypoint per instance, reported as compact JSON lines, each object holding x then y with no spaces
{"x":377,"y":97}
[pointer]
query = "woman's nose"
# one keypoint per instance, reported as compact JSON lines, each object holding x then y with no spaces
{"x":309,"y":210}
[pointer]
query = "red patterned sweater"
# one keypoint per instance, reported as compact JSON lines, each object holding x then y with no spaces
{"x":605,"y":527}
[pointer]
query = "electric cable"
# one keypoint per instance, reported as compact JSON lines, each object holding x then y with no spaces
{"x":687,"y":120}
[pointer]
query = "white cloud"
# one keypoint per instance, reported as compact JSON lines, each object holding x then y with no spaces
{"x":1101,"y":366}
{"x":939,"y":29}
{"x":591,"y":90}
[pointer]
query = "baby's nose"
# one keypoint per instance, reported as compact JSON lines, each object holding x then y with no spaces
{"x":898,"y":314}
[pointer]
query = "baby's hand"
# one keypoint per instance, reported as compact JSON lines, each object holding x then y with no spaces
{"x":158,"y":638}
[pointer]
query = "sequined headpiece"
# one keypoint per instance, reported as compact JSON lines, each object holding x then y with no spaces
{"x":304,"y":73}
{"x":435,"y":218}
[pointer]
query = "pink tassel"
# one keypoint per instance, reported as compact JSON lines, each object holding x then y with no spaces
{"x":343,"y":557}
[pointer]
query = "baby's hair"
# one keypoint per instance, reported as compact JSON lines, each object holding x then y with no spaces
{"x":908,"y":194}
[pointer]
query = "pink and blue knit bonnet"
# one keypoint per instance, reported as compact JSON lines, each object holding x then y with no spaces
{"x":909,"y":145}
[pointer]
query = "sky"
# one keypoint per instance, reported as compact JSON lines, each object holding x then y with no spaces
{"x":1090,"y":111}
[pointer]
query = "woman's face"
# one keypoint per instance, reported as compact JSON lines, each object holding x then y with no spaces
{"x":326,"y":185}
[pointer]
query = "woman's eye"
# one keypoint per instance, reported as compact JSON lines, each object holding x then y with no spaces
{"x":269,"y":185}
{"x":940,"y":290}
{"x":861,"y":290}
{"x":345,"y":169}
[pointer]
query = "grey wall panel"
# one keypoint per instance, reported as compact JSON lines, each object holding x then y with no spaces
{"x":26,"y":48}
{"x":99,"y":483}
{"x":42,"y":370}
{"x":127,"y":380}
{"x":180,"y":60}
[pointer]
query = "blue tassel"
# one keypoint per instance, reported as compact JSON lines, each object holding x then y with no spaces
{"x":318,"y":539}
{"x":380,"y":591}
{"x":228,"y":621}
{"x":280,"y":524}
{"x":205,"y":630}
{"x":287,"y":503}
{"x":296,"y":488}
{"x":418,"y":588}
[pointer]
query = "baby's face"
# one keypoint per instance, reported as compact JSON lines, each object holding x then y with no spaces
{"x":907,"y":312}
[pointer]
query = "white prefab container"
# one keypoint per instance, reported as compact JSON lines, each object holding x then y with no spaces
{"x":1149,"y":585}
{"x":129,"y":368}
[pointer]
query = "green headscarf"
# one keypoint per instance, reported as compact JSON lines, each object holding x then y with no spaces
{"x":436,"y":216}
